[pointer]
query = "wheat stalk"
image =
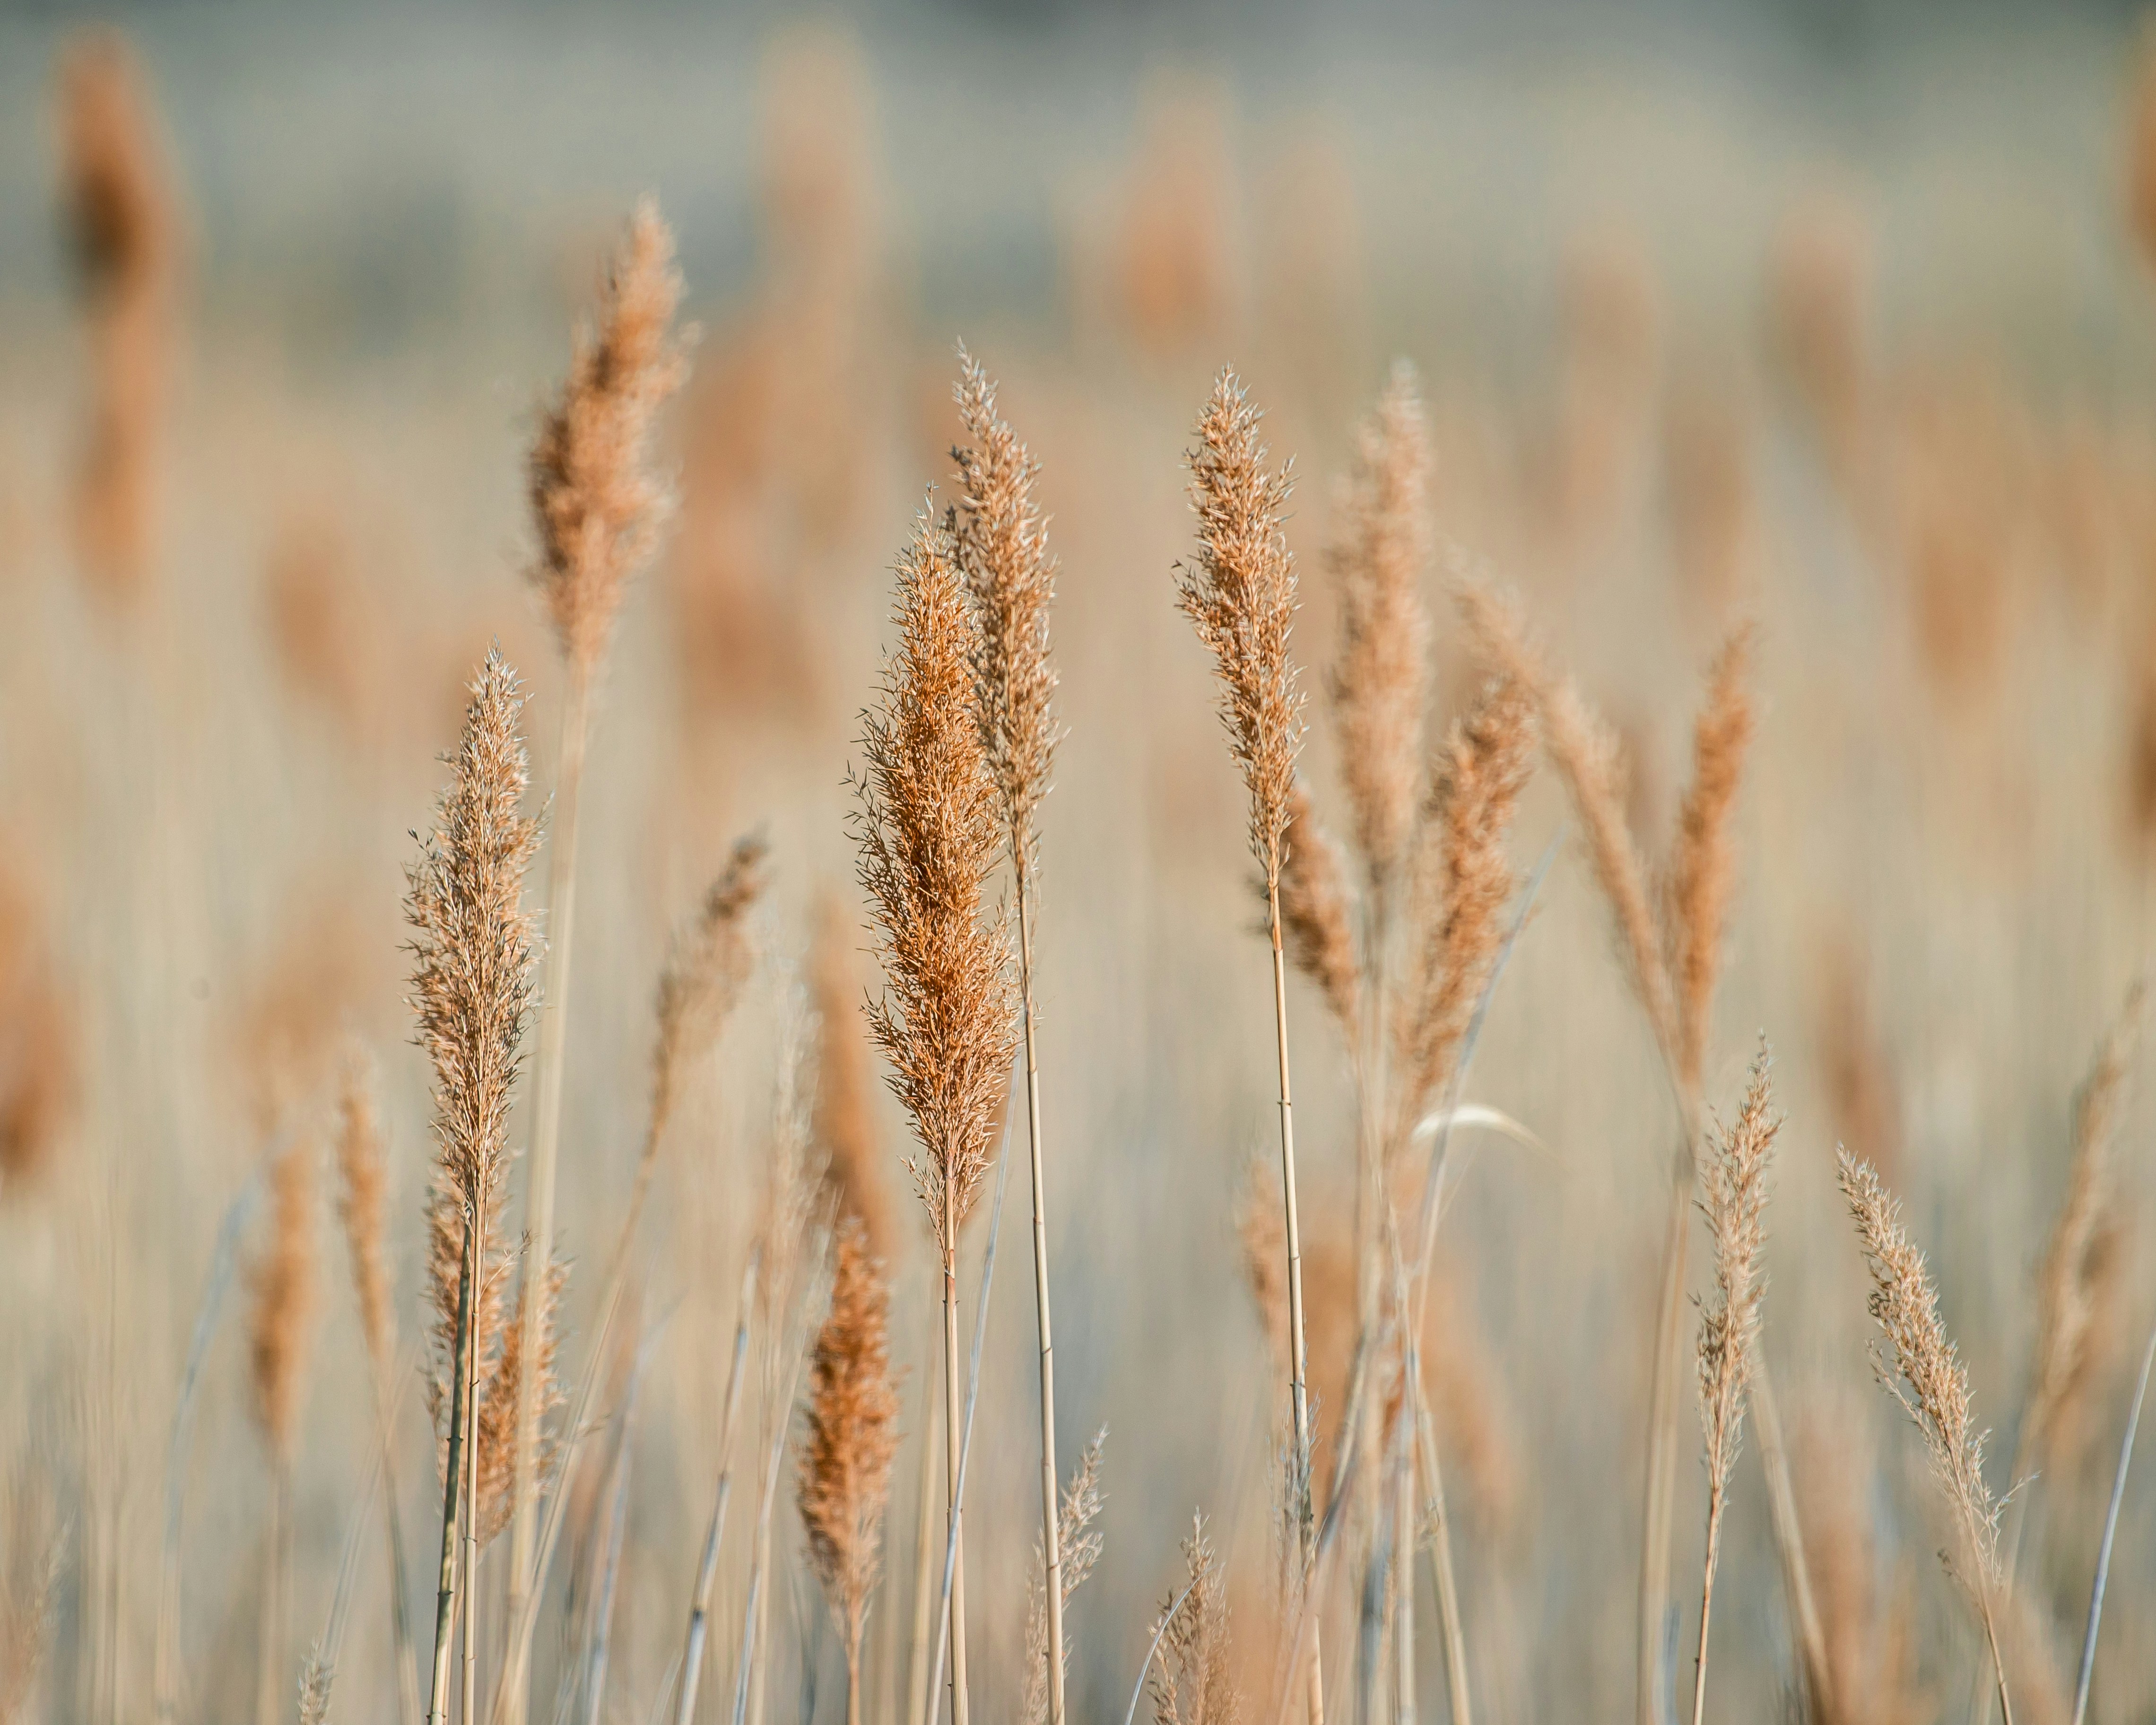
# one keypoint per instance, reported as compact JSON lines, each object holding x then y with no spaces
{"x":1735,"y":1204}
{"x":599,"y":513}
{"x":928,"y":823}
{"x":1921,"y":1369}
{"x":1001,"y":543}
{"x":473,"y":955}
{"x":1239,"y":595}
{"x":845,"y":1484}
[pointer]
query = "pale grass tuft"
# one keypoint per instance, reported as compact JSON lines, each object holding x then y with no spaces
{"x":847,"y":1449}
{"x":287,"y":1293}
{"x":1193,"y":1683}
{"x":1313,"y":908}
{"x":1239,"y":595}
{"x":1380,"y":680}
{"x":1703,"y":869}
{"x":1463,"y":882}
{"x":1081,"y":1545}
{"x":1920,"y":1367}
{"x":929,"y":833}
{"x":2067,"y":1283}
{"x":598,"y":509}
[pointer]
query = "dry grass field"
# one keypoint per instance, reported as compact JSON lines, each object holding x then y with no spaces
{"x":699,"y":716}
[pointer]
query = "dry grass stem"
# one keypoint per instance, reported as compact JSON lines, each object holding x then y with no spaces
{"x":848,"y":1446}
{"x":1081,"y":1543}
{"x":1380,"y":680}
{"x":1735,"y":1205}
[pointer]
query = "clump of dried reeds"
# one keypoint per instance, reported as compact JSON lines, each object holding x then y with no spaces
{"x":1380,"y":679}
{"x":1195,"y":1681}
{"x":2065,"y":1283}
{"x":598,"y":512}
{"x":1702,"y":869}
{"x":1081,"y":1544}
{"x":473,"y":952}
{"x":1920,"y":1367}
{"x":1000,"y":541}
{"x":121,"y":218}
{"x":1735,"y":1204}
{"x":929,"y":826}
{"x":851,"y":1439}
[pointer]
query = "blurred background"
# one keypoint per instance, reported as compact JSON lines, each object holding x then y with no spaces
{"x":1839,"y":317}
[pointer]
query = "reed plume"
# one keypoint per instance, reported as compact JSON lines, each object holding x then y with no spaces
{"x":1735,"y":1204}
{"x":706,"y":971}
{"x":286,"y":1294}
{"x":851,"y":1439}
{"x":1380,"y":680}
{"x":1195,"y":1681}
{"x":1703,"y":870}
{"x":1314,"y":913}
{"x":598,"y":512}
{"x":1081,"y":1544}
{"x":1239,"y":595}
{"x":1921,"y":1369}
{"x":474,"y":953}
{"x":929,"y":824}
{"x":1463,"y":881}
{"x":124,"y":231}
{"x":2066,"y":1284}
{"x":1000,"y":541}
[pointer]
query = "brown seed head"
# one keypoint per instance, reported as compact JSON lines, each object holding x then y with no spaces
{"x":1924,"y":1372}
{"x":1735,"y":1206}
{"x":446,"y":1222}
{"x":711,"y":963}
{"x":852,"y":1436}
{"x":1079,"y":1549}
{"x":1313,"y":905}
{"x":2066,"y":1287}
{"x":1380,"y":681}
{"x":929,"y":827}
{"x":364,"y":1180}
{"x":1001,"y":544}
{"x":1463,"y":881}
{"x":286,"y":1291}
{"x":474,"y":946}
{"x":501,"y":1380}
{"x":597,"y":508}
{"x":1192,"y":1682}
{"x":1703,"y":872}
{"x":1239,"y":595}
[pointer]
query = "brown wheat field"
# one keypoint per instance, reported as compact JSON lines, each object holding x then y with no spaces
{"x":1036,"y":864}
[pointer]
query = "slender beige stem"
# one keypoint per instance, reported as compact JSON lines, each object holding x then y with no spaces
{"x":917,"y":1704}
{"x":699,"y":1609}
{"x":1998,"y":1665}
{"x":1440,"y":1560}
{"x":1298,"y":1363}
{"x":1403,"y":1545}
{"x":545,"y":1148}
{"x":1716,"y":1502}
{"x":1050,"y":1545}
{"x":1653,"y":1691}
{"x":445,"y":1600}
{"x":953,"y":1436}
{"x":854,"y":1679}
{"x":270,"y":1683}
{"x":477,"y":1271}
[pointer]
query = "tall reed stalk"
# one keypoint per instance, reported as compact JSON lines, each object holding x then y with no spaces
{"x":1002,"y":546}
{"x":1239,"y":594}
{"x":599,"y":513}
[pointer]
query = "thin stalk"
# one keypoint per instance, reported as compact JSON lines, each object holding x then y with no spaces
{"x":924,"y":1573}
{"x":269,"y":1655}
{"x":2110,"y":1529}
{"x":950,"y":1626}
{"x":1050,"y":1545}
{"x":955,"y":1567}
{"x":749,"y":1682}
{"x":445,"y":1599}
{"x":1998,"y":1665}
{"x":1298,"y":1362}
{"x":476,"y":1270}
{"x":617,"y":1523}
{"x":1717,"y":1499}
{"x":699,"y":1609}
{"x":1441,"y":1561}
{"x":400,"y":1616}
{"x":545,"y":1150}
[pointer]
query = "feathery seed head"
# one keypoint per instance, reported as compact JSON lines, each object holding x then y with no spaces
{"x":1079,"y":1549}
{"x":286,"y":1292}
{"x":597,"y":508}
{"x":1000,"y":541}
{"x":1194,"y":1681}
{"x":1239,"y":595}
{"x":1735,"y":1206}
{"x":929,"y":828}
{"x":501,"y":1381}
{"x":1703,"y":872}
{"x":1313,"y":905}
{"x":709,"y":963}
{"x":852,"y":1436}
{"x":1380,"y":681}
